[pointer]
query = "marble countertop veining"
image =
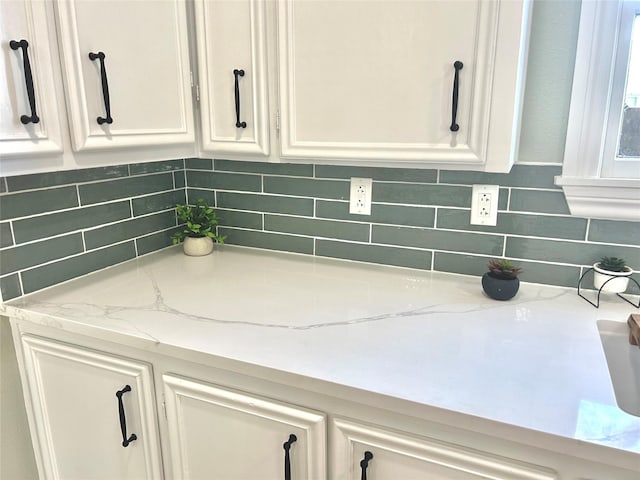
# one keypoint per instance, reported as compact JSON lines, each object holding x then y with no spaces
{"x":432,"y":338}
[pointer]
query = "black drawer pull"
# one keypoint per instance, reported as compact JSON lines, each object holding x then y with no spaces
{"x":123,"y":421}
{"x":236,"y":74}
{"x":364,"y":463}
{"x":454,"y":104}
{"x":28,"y":80}
{"x":105,"y":88}
{"x":287,"y":462}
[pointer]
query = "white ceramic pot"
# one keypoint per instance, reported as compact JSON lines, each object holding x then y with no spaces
{"x":619,"y":281}
{"x":197,"y":246}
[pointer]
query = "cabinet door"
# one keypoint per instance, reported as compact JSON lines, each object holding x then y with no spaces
{"x":139,"y":94}
{"x":385,"y":455}
{"x":31,"y":21}
{"x":222,"y":434}
{"x":232,"y":63}
{"x":73,"y":405}
{"x":375,"y":81}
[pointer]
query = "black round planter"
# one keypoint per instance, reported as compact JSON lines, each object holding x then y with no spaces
{"x":500,"y":288}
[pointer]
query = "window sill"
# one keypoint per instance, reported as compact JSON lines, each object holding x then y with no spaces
{"x":609,"y":199}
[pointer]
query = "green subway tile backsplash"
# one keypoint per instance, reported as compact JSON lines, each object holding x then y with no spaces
{"x":49,"y":225}
{"x":419,"y":218}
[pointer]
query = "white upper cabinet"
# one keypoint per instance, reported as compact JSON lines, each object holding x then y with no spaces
{"x":29,"y":118}
{"x":232,"y":60}
{"x":126,"y":71}
{"x":375,"y":82}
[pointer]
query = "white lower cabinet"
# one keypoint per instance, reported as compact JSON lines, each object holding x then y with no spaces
{"x":81,"y":411}
{"x":366,"y":452}
{"x":217,"y":433}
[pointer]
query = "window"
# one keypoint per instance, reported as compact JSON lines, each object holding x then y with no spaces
{"x":601,"y":170}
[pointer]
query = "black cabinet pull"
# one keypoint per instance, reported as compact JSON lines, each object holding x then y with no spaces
{"x":287,"y":462}
{"x":28,"y":79}
{"x":105,"y":88}
{"x":454,"y":107}
{"x":364,"y":463}
{"x":123,"y":421}
{"x":236,"y":74}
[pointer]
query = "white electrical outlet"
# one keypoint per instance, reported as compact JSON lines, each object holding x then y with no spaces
{"x":484,"y":204}
{"x":360,"y":197}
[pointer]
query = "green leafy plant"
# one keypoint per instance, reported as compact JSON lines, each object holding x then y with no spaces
{"x":199,"y":220}
{"x":503,"y":268}
{"x":613,"y":264}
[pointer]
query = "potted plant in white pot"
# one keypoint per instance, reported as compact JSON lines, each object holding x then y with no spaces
{"x":199,"y":228}
{"x":611,"y":274}
{"x":501,"y":281}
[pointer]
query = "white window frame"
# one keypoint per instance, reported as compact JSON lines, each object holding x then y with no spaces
{"x":598,"y":85}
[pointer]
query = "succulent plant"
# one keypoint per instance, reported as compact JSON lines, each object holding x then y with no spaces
{"x":503,"y":268}
{"x":612,"y":264}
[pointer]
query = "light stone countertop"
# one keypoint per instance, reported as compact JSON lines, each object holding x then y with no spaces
{"x":432,"y":338}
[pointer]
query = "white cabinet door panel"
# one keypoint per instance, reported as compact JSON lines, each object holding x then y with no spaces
{"x":393,"y":455}
{"x":231,"y":35}
{"x":223,"y":434}
{"x":31,"y":21}
{"x":72,"y":399}
{"x":147,"y":67}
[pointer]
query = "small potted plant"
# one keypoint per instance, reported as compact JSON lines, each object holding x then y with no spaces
{"x":611,"y":274}
{"x":501,"y":281}
{"x":199,"y":228}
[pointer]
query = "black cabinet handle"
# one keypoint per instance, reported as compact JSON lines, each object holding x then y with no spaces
{"x":454,"y":107}
{"x":123,"y":421}
{"x":105,"y":88}
{"x":28,"y":79}
{"x":364,"y":463}
{"x":287,"y":462}
{"x":236,"y":74}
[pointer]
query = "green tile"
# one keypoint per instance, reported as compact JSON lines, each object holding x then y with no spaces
{"x":438,"y":240}
{"x":54,"y":273}
{"x":41,"y":201}
{"x":576,"y":253}
{"x":529,"y":176}
{"x":155,"y":241}
{"x":10,"y":287}
{"x":179,"y":179}
{"x":317,"y":228}
{"x":198,"y":163}
{"x":401,"y":257}
{"x":51,"y":179}
{"x":517,"y":224}
{"x":27,"y":256}
{"x":6,"y":239}
{"x":538,"y":201}
{"x":208,"y":196}
{"x":265,"y":203}
{"x":155,"y":167}
{"x":533,"y":272}
{"x":233,"y":218}
{"x":52,"y":224}
{"x":416,"y":194}
{"x":158,"y":202}
{"x":126,"y":187}
{"x":224,"y":181}
{"x":303,"y":187}
{"x":627,"y":233}
{"x":136,"y":227}
{"x":270,"y":241}
{"x":377,"y":173}
{"x":293,"y":169}
{"x":380,"y":213}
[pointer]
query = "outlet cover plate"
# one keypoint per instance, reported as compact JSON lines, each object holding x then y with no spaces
{"x":484,"y":205}
{"x":360,"y":196}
